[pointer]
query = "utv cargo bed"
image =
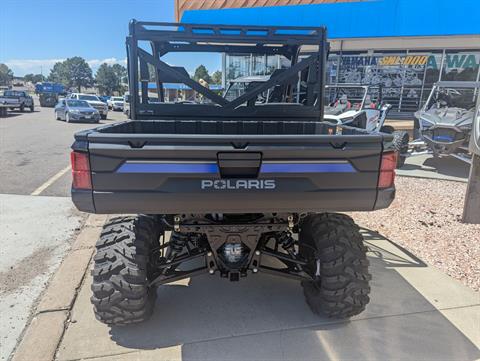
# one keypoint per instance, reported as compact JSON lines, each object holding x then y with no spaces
{"x":171,"y":167}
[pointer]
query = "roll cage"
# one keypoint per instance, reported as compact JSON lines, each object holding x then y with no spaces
{"x":374,"y":91}
{"x":449,"y":88}
{"x":164,"y":38}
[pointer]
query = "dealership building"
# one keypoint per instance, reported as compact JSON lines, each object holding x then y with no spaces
{"x":404,"y":46}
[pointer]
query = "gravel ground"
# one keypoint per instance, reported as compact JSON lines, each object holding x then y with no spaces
{"x":425,"y":218}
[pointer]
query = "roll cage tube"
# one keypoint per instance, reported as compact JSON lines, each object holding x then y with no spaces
{"x":165,"y":38}
{"x":366,"y":89}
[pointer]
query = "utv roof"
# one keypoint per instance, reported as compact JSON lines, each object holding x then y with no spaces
{"x":458,"y":84}
{"x":291,"y":35}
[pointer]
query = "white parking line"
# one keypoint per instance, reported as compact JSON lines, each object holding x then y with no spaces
{"x":49,"y":182}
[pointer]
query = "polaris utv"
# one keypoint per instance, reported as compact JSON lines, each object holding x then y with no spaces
{"x":231,"y":187}
{"x":445,"y":121}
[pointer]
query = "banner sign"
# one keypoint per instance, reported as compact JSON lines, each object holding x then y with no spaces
{"x":404,"y":60}
{"x":452,"y":61}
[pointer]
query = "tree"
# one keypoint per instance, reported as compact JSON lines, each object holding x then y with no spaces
{"x":79,"y":72}
{"x":34,"y":78}
{"x":28,"y":77}
{"x":202,"y":73}
{"x":73,"y":72}
{"x":58,"y":74}
{"x":6,"y":74}
{"x":121,"y":73}
{"x":107,"y":79}
{"x":217,"y":77}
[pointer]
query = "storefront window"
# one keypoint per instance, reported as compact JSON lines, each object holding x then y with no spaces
{"x":237,"y":66}
{"x":461,"y":66}
{"x":332,"y":68}
{"x":352,"y":67}
{"x":406,"y":77}
{"x":258,"y":65}
{"x":432,"y":74}
{"x":272,"y":64}
{"x":247,"y":64}
{"x":414,"y":67}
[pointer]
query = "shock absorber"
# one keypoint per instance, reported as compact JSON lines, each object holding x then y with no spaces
{"x":287,"y":242}
{"x":176,"y":246}
{"x":177,"y":243}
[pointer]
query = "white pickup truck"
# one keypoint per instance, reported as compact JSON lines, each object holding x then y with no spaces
{"x":17,"y":99}
{"x":115,"y":103}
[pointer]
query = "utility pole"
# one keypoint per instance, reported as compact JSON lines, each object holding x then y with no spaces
{"x":471,"y":210}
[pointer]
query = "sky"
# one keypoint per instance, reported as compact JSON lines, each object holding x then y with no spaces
{"x":35,"y":34}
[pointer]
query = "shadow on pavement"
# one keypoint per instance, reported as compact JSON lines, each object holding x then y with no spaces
{"x":10,"y":115}
{"x":263,"y":317}
{"x":402,"y":258}
{"x":425,"y":165}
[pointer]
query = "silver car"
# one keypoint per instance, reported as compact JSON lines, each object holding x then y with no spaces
{"x":72,"y":110}
{"x":94,"y":101}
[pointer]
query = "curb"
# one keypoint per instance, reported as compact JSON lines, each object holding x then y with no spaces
{"x":44,"y":333}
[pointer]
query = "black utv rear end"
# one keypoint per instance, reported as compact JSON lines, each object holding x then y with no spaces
{"x":229,"y":186}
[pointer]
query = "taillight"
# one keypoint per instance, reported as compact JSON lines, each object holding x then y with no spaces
{"x":387,"y":170}
{"x":81,"y":171}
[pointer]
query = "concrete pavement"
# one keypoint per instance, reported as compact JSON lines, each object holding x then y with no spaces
{"x":427,"y":166}
{"x":36,"y":234}
{"x":416,"y":313}
{"x":35,"y":230}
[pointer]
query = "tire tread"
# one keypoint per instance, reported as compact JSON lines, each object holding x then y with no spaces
{"x":342,"y":288}
{"x":120,"y":282}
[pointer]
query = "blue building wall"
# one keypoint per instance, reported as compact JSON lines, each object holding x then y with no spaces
{"x":382,"y":18}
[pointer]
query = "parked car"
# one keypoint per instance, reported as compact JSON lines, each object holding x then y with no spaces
{"x":72,"y":110}
{"x":6,"y":104}
{"x":94,"y":101}
{"x":242,"y":189}
{"x":115,"y":103}
{"x":18,"y":99}
{"x":9,"y":103}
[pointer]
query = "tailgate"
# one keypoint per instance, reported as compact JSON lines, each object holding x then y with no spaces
{"x":171,"y":174}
